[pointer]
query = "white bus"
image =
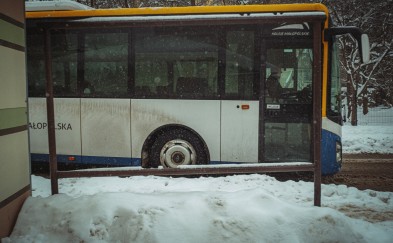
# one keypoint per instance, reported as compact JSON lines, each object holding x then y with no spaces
{"x":188,"y":85}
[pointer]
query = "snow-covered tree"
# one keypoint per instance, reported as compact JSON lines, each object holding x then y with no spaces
{"x":376,"y":19}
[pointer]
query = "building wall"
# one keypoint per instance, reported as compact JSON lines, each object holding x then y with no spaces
{"x":14,"y":156}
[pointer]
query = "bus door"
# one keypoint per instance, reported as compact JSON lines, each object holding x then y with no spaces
{"x":287,"y":101}
{"x":240,"y":108}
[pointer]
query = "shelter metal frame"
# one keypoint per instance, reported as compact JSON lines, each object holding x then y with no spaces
{"x":314,"y":167}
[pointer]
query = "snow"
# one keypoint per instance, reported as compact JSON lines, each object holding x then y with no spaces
{"x":373,"y":135}
{"x":242,"y":208}
{"x":367,"y":139}
{"x":239,"y":208}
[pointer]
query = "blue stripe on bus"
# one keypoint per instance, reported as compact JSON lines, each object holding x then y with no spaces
{"x":226,"y":163}
{"x":98,"y":160}
{"x":113,"y":161}
{"x":329,"y":162}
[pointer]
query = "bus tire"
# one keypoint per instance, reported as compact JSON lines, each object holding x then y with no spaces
{"x":177,"y":147}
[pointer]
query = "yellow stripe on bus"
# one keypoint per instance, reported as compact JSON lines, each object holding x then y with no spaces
{"x":179,"y":10}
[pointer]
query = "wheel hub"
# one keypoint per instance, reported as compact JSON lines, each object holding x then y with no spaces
{"x":177,"y":152}
{"x":178,"y":157}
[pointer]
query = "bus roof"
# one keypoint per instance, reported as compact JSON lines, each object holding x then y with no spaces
{"x":57,"y":5}
{"x":235,"y":9}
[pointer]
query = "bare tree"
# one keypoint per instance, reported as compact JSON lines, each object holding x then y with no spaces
{"x":375,"y":18}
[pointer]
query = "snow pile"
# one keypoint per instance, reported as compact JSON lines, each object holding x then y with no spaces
{"x":367,"y":139}
{"x":243,"y":208}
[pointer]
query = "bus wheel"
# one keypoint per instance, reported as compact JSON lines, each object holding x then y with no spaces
{"x":177,"y":147}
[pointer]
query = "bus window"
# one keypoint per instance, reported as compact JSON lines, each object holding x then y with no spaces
{"x":179,"y":63}
{"x":35,"y":62}
{"x":64,"y":62}
{"x":335,"y":85}
{"x":304,"y":60}
{"x":289,"y":76}
{"x":196,"y":77}
{"x":151,"y":76}
{"x":105,"y":66}
{"x":239,"y":70}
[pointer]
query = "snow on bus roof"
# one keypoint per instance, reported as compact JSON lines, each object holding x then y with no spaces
{"x":197,"y":17}
{"x":58,"y":5}
{"x":45,"y":11}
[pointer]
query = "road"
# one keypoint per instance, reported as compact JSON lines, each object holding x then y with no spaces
{"x":365,"y":171}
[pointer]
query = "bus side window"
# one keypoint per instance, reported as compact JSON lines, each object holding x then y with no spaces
{"x":196,"y":78}
{"x":35,"y":62}
{"x":184,"y":57}
{"x":239,"y":70}
{"x":64,"y":62}
{"x":36,"y":77}
{"x":64,"y":59}
{"x":191,"y":86}
{"x":151,"y":77}
{"x":106,"y":64}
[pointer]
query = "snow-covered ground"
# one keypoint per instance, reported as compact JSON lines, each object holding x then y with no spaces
{"x":367,"y":139}
{"x":242,"y":208}
{"x":373,"y":135}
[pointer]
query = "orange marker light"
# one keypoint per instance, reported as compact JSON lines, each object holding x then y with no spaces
{"x":245,"y":107}
{"x":71,"y":158}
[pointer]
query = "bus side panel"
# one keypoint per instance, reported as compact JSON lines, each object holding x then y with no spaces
{"x":67,"y":125}
{"x":331,"y":135}
{"x":203,"y":116}
{"x":329,"y":161}
{"x":106,"y":131}
{"x":239,"y":131}
{"x":38,"y":127}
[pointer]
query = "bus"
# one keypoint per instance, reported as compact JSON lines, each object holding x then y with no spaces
{"x":178,"y":86}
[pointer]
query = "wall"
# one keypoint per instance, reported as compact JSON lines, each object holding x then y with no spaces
{"x":14,"y":156}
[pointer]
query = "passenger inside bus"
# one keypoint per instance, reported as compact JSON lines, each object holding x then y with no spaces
{"x":273,"y":85}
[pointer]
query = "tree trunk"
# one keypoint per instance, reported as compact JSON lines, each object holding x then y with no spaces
{"x":365,"y":104}
{"x":354,"y":102}
{"x":354,"y":111}
{"x":349,"y":97}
